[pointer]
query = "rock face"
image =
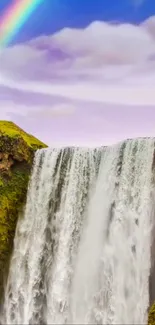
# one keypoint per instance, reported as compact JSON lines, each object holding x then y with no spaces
{"x":16,"y":157}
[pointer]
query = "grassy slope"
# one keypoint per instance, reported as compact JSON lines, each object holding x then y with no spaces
{"x":11,"y":130}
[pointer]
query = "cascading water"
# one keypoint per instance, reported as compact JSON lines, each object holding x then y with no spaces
{"x":82,"y":251}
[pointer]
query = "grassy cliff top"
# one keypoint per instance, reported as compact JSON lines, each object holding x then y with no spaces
{"x":11,"y":130}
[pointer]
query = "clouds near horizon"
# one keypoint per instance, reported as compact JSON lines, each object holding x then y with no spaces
{"x":103,"y":64}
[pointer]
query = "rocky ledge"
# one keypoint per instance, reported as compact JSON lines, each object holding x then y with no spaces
{"x":17,"y":150}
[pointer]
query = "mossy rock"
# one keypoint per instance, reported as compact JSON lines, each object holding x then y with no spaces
{"x":151,"y":317}
{"x":17,"y":150}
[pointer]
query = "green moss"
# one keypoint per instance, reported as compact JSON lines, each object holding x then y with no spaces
{"x":1,"y":182}
{"x":11,"y":130}
{"x":12,"y":196}
{"x":19,"y":147}
{"x":151,"y":318}
{"x":18,"y":143}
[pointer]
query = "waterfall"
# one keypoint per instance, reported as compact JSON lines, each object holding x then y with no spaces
{"x":82,"y":250}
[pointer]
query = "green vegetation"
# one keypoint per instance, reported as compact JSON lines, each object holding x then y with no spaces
{"x":151,"y":318}
{"x":18,"y":143}
{"x":12,"y":131}
{"x":17,"y":150}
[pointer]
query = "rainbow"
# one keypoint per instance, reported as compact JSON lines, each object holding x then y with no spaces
{"x":14,"y":18}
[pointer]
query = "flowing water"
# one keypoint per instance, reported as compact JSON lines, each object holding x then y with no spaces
{"x":82,"y":250}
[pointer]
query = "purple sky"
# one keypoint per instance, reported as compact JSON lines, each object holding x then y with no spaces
{"x":90,"y":86}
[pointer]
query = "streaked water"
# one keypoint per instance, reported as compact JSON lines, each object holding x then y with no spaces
{"x":82,"y":250}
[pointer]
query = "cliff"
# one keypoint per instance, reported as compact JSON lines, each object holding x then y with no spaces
{"x":16,"y":156}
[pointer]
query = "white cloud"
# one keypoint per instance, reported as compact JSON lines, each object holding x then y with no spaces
{"x":8,"y":106}
{"x":101,"y":64}
{"x":75,"y":51}
{"x":101,"y":50}
{"x":96,"y":92}
{"x":149,"y":26}
{"x":103,"y":43}
{"x":58,"y":110}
